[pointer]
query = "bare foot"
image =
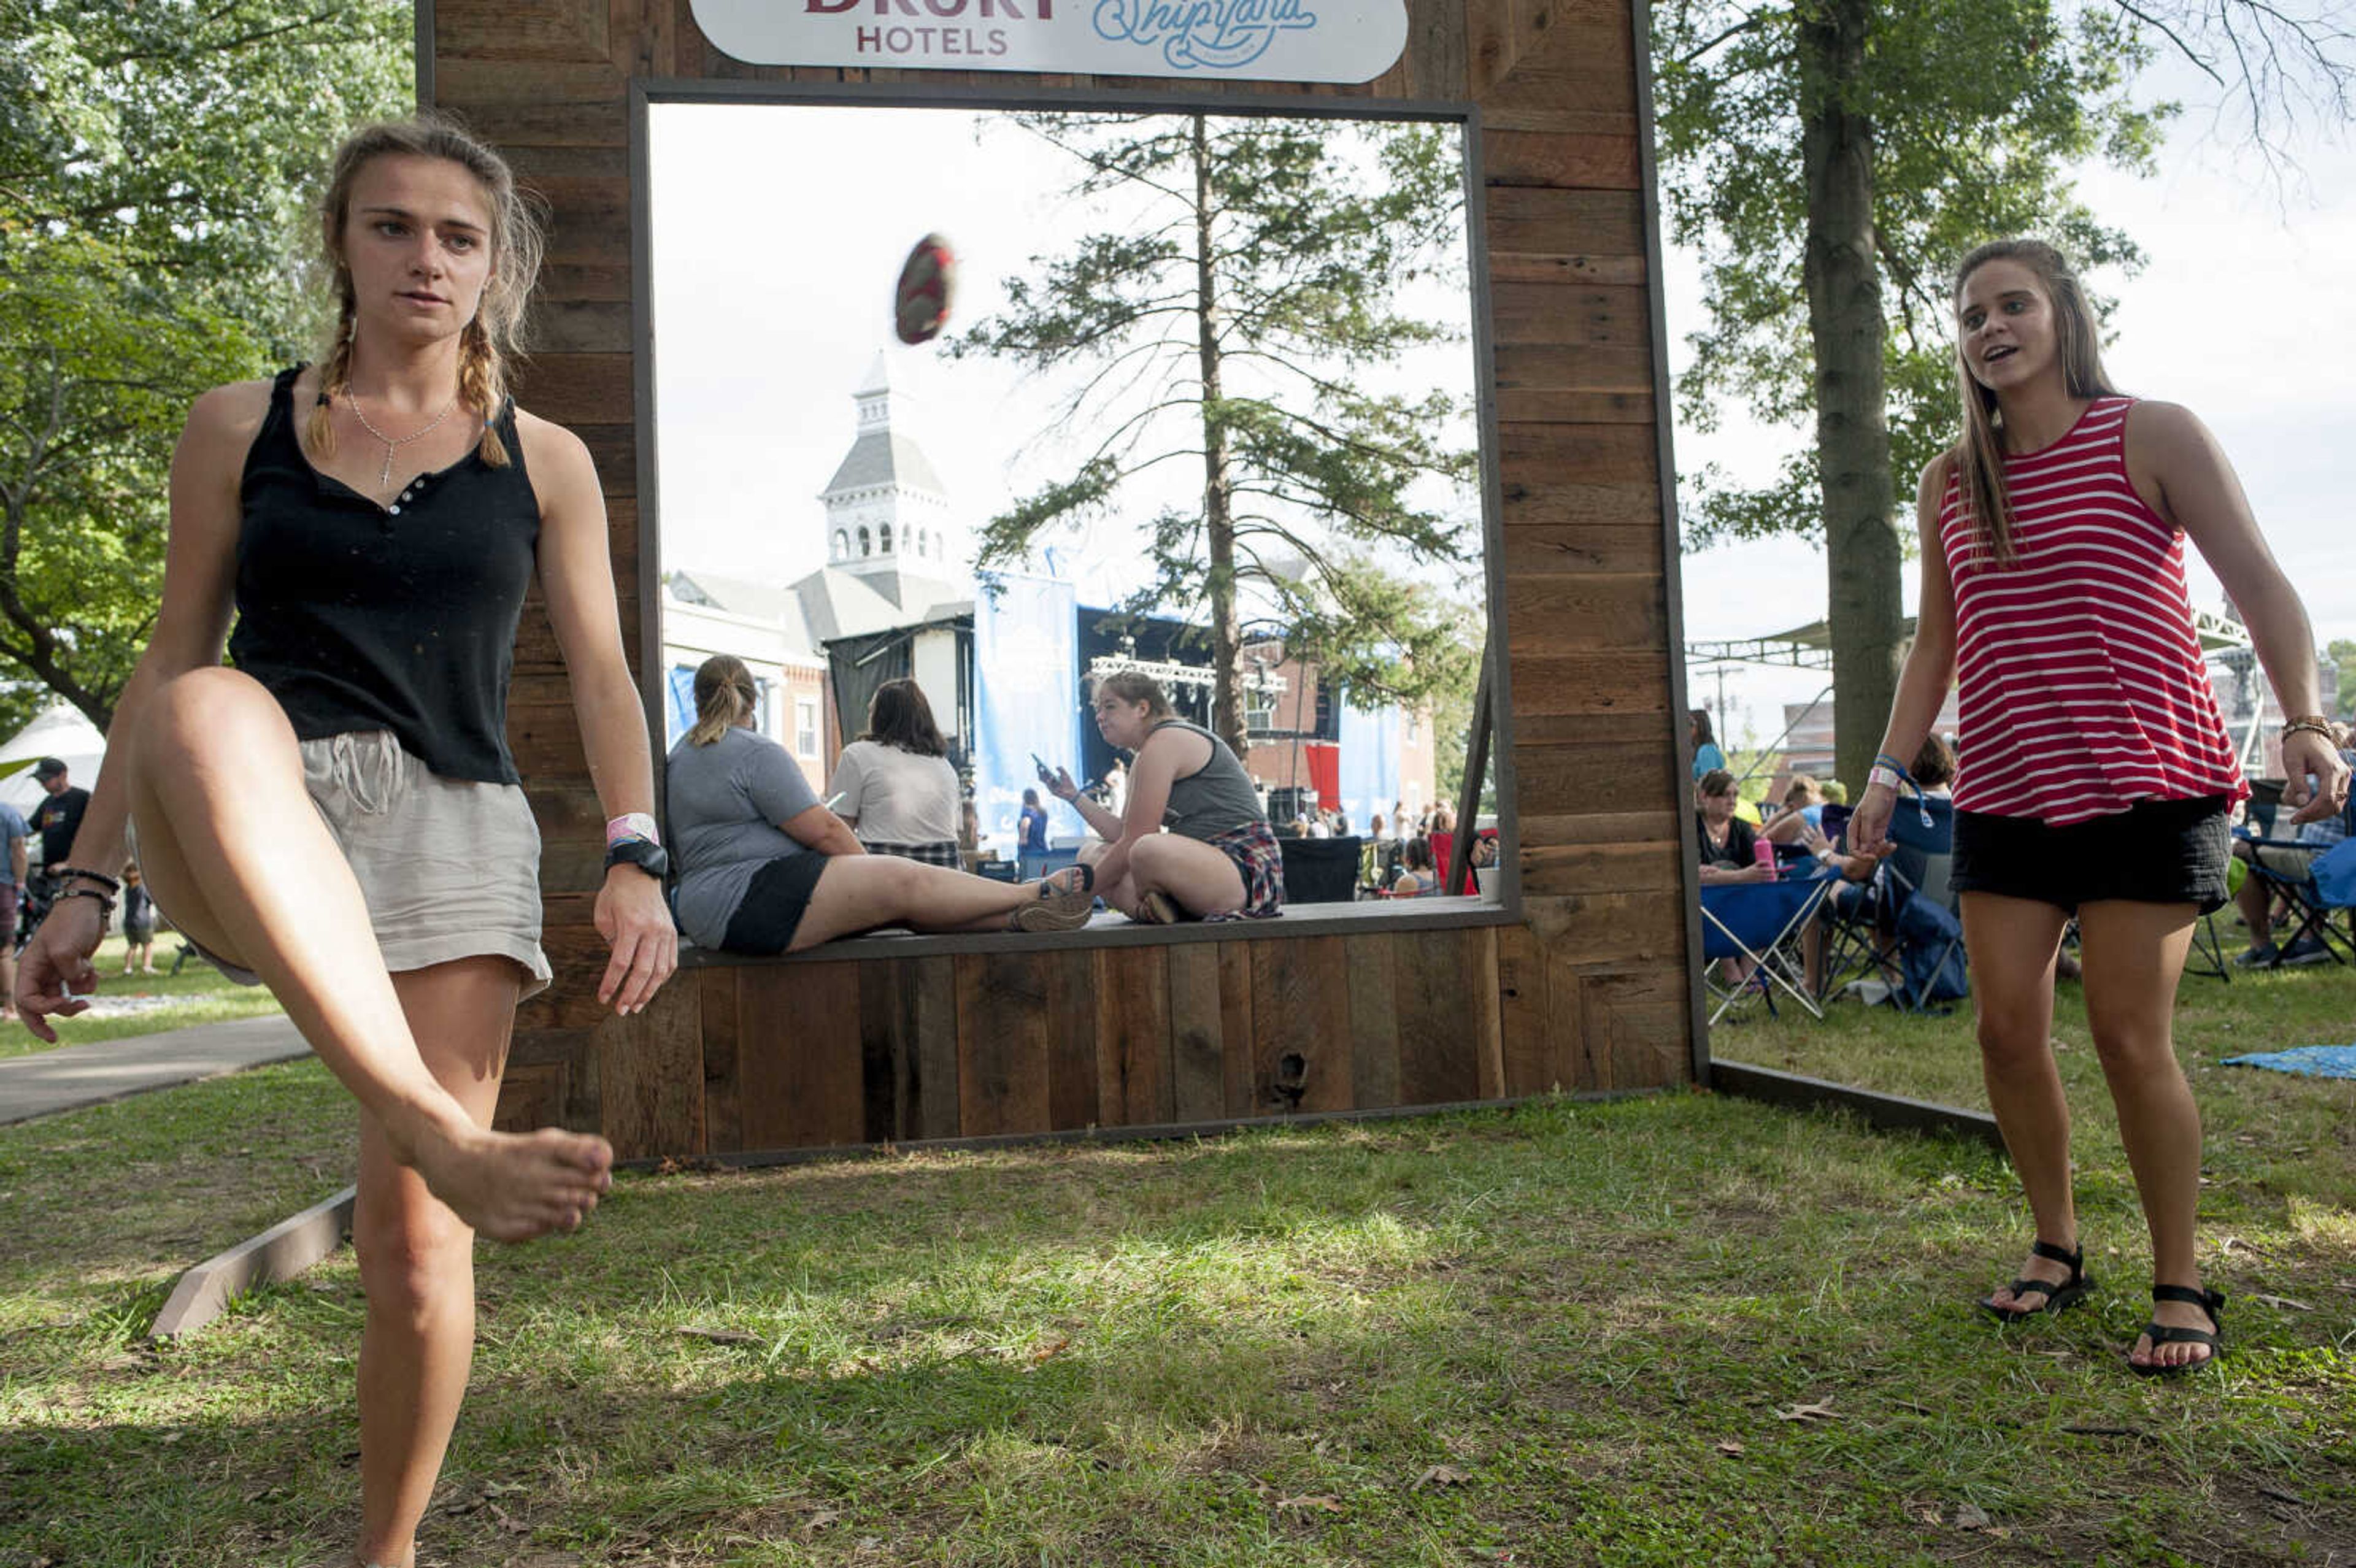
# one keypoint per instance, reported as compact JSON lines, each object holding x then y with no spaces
{"x":2176,"y":1353}
{"x":513,"y":1187}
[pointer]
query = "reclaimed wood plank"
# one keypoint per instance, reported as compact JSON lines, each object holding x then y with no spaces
{"x":1587,"y":548}
{"x":650,"y":1067}
{"x":550,"y":30}
{"x":1555,"y":405}
{"x":1589,"y":683}
{"x":1567,"y":613}
{"x":531,"y":1096}
{"x":1134,"y":1072}
{"x":1374,"y":1022}
{"x":1529,"y":1064}
{"x":1584,"y":316}
{"x":1299,"y":987}
{"x":1657,"y":866}
{"x":1544,"y":221}
{"x":1198,"y":1041}
{"x":1590,"y":160}
{"x":1074,"y":1098}
{"x":1606,"y":930}
{"x":1238,"y":1045}
{"x":1646,"y":1021}
{"x":799,"y":1055}
{"x":1437,"y":1020}
{"x":1002,"y":1045}
{"x":723,"y":1108}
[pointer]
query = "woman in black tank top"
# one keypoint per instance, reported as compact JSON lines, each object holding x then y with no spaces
{"x":403,"y":449}
{"x":1219,"y":858}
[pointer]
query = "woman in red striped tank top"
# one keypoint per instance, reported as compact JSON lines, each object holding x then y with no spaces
{"x":2096,"y":770}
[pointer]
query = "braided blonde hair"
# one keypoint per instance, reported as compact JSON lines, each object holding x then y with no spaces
{"x":492,"y":338}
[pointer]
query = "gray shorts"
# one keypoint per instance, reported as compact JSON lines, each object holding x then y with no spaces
{"x":449,"y":867}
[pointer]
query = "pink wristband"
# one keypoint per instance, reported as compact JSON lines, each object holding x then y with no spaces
{"x":1885,"y":777}
{"x":631,"y":825}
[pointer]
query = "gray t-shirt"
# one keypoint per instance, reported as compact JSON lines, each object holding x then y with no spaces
{"x":726,"y":800}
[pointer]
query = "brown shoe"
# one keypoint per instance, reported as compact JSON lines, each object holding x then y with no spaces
{"x":1063,"y":908}
{"x":1158,"y":908}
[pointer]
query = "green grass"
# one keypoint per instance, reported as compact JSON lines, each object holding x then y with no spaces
{"x":199,"y":993}
{"x":1569,"y":1333}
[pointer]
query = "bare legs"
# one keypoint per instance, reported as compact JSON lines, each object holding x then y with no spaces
{"x":417,"y":1260}
{"x":2011,"y":943}
{"x":856,"y":892}
{"x":2134,"y":954}
{"x":1201,"y":880}
{"x":235,"y":853}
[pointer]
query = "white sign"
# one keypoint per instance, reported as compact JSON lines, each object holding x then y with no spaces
{"x":1238,"y":40}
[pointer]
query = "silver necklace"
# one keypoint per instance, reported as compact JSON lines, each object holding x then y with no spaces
{"x":384,"y":477}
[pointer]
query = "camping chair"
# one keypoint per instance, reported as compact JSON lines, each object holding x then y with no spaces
{"x":1320,"y":870}
{"x":1855,"y":943}
{"x":1761,"y":921}
{"x":2318,"y":895}
{"x":1926,"y":905}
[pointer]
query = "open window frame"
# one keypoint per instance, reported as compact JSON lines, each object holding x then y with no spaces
{"x":1502,"y":905}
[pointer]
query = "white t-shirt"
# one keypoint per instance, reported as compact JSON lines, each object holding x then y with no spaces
{"x":895,"y":796}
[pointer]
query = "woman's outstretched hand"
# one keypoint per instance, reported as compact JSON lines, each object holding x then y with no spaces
{"x":635,"y":923}
{"x":55,"y":964}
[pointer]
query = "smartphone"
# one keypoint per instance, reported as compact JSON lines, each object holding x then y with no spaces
{"x":1044,"y":771}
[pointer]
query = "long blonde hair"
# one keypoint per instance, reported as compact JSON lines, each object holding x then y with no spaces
{"x":725,"y":698}
{"x":492,"y":338}
{"x":2078,"y":342}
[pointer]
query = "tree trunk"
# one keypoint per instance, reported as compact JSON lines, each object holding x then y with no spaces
{"x":1845,"y":321}
{"x":1218,"y":517}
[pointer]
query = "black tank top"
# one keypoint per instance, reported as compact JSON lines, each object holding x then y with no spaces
{"x":357,"y":616}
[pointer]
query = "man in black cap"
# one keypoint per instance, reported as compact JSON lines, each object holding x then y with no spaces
{"x":60,"y":816}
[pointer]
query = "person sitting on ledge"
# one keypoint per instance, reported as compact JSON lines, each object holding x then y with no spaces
{"x":765,"y":868}
{"x":1219,"y":859}
{"x":894,"y":786}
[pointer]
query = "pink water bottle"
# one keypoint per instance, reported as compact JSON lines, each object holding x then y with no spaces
{"x":1764,"y":851}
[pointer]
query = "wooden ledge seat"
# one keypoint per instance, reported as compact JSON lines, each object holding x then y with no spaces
{"x":1109,"y":929}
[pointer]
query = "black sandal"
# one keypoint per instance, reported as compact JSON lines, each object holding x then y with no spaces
{"x":2212,"y":1302}
{"x":2058,"y":1294}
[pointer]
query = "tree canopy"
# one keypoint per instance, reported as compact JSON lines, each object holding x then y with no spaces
{"x":1233,"y":319}
{"x":155,"y":165}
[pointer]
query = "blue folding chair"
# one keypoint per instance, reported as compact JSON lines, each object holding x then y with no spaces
{"x":1760,"y":921}
{"x":2316,"y":896}
{"x":1926,"y":908}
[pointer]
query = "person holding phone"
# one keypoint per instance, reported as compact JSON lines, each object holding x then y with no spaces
{"x":1219,"y":859}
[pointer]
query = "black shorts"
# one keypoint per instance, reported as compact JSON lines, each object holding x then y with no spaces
{"x":774,"y":900}
{"x":2156,"y":851}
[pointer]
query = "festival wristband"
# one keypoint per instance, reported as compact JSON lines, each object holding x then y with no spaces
{"x":1884,"y":775}
{"x":631,"y":825}
{"x":1885,"y":759}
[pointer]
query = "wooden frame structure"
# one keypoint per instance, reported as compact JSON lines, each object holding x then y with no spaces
{"x":1585,"y":981}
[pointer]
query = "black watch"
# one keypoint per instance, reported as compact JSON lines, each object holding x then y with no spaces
{"x":644,"y":853}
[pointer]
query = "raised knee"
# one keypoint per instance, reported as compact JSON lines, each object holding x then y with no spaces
{"x":209,"y":712}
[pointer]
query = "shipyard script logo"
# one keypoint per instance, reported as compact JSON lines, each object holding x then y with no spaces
{"x":1221,"y":33}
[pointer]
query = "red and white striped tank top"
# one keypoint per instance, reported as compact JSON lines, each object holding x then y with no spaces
{"x":2081,"y":688}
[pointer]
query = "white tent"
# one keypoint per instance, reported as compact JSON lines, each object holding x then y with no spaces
{"x":60,"y":731}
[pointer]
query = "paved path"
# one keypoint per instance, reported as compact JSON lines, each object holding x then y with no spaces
{"x":74,"y":1076}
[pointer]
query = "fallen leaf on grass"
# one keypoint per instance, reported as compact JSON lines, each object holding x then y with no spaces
{"x":1053,"y":1348}
{"x":2283,"y":1302}
{"x":1322,"y":1504}
{"x":1731,"y":1447}
{"x":819,"y":1521}
{"x":1821,"y":1411}
{"x":506,"y":1520}
{"x":719,"y":1336}
{"x":1971,"y":1515}
{"x":1441,"y":1476}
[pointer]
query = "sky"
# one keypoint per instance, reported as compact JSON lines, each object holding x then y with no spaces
{"x":754,"y":405}
{"x":2239,"y":314}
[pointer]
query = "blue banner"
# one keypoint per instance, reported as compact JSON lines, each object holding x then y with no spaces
{"x":1026,"y":659}
{"x":1370,"y":764}
{"x":679,"y":713}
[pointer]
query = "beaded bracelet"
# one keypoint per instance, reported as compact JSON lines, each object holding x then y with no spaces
{"x":2313,"y":724}
{"x":100,"y":878}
